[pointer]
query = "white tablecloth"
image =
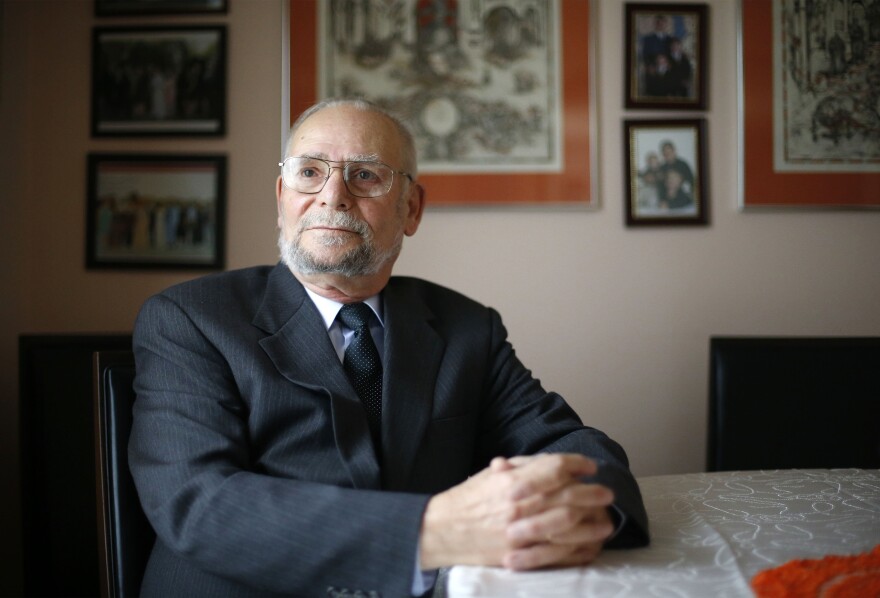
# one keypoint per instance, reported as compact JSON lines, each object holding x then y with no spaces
{"x":710,"y":534}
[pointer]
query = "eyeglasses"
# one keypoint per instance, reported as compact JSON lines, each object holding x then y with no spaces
{"x":362,"y":179}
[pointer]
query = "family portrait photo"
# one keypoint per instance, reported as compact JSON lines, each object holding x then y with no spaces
{"x":665,"y":55}
{"x":665,"y":170}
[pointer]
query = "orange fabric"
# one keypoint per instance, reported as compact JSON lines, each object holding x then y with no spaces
{"x":856,"y":576}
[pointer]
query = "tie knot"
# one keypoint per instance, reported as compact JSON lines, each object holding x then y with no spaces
{"x":355,"y":315}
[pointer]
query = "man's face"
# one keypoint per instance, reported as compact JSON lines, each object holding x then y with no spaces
{"x":673,"y":182}
{"x":660,"y":24}
{"x":333,"y":231}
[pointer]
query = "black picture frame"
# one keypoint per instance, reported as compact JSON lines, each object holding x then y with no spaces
{"x":666,"y":56}
{"x":106,"y":8}
{"x":665,"y":166}
{"x":159,"y":211}
{"x":159,"y":81}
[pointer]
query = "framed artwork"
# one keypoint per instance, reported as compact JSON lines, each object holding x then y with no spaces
{"x":666,"y":56}
{"x":105,"y":8}
{"x":159,"y":81}
{"x":156,"y":211}
{"x":498,"y":116}
{"x":810,"y":126}
{"x":666,"y":172}
{"x":2,"y":12}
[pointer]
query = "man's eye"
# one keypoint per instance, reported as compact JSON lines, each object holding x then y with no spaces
{"x":308,"y":173}
{"x":364,"y":175}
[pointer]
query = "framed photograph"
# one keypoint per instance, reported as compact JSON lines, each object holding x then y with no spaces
{"x":105,"y":8}
{"x":666,"y":56}
{"x":156,"y":211}
{"x":666,"y":173}
{"x":498,"y":116}
{"x":810,"y":126}
{"x":159,"y":81}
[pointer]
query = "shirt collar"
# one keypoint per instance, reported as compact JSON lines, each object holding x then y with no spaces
{"x":329,"y":309}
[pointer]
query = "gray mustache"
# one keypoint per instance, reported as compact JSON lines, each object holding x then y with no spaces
{"x":335,"y":220}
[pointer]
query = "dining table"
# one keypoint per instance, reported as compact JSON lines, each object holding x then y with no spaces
{"x":711,"y":534}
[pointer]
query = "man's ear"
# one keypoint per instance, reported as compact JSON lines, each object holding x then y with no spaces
{"x":415,"y":205}
{"x":279,"y":186}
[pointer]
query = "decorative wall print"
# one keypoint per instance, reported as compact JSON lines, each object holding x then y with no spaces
{"x":827,"y":98}
{"x":810,"y":103}
{"x":155,"y":211}
{"x":159,"y":81}
{"x":482,"y":84}
{"x":478,"y":83}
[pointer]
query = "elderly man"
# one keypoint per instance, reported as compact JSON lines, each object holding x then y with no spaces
{"x":322,"y":428}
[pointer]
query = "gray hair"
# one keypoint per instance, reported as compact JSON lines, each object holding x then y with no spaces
{"x":408,"y":149}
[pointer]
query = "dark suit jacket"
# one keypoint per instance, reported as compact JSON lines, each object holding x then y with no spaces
{"x":251,"y":451}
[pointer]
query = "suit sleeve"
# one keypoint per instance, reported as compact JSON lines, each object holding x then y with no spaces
{"x":208,"y":502}
{"x":520,"y":418}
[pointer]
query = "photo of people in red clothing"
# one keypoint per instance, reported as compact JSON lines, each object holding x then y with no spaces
{"x":152,"y":211}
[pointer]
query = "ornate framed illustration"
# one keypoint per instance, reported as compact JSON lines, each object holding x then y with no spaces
{"x":666,"y":172}
{"x":151,"y":81}
{"x":666,"y":56}
{"x":106,"y":8}
{"x":156,"y":211}
{"x":809,"y":104}
{"x":498,"y":116}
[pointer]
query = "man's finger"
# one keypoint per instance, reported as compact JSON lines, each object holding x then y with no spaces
{"x":546,"y":473}
{"x":562,"y":525}
{"x":576,"y":494}
{"x":537,"y":556}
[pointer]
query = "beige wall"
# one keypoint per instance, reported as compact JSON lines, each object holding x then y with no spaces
{"x":44,"y":136}
{"x":616,"y":319}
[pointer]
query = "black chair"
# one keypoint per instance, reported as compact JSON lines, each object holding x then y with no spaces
{"x":781,"y":403}
{"x":57,"y":461}
{"x":125,"y":537}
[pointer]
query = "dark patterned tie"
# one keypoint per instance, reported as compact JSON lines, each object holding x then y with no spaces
{"x":362,"y":364}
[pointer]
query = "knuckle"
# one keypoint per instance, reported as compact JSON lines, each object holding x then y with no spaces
{"x":570,"y":494}
{"x":507,"y":484}
{"x":559,"y":464}
{"x":510,"y":512}
{"x":529,"y":528}
{"x":572,"y":516}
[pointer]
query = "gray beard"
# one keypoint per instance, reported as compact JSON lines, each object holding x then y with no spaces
{"x":363,"y":260}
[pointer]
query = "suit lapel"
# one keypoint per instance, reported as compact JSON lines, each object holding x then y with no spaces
{"x":299,"y":347}
{"x":413,"y":351}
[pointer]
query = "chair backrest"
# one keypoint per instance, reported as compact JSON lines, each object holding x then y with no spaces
{"x":780,"y":403}
{"x":125,"y":537}
{"x":57,"y":461}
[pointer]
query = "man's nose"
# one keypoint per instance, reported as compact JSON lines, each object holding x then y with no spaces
{"x":335,"y":192}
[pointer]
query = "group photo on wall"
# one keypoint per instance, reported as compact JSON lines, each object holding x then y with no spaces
{"x":155,"y":211}
{"x":158,"y":81}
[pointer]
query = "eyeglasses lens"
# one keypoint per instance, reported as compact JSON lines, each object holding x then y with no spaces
{"x":363,"y":179}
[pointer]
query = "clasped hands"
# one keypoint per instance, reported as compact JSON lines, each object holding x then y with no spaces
{"x":520,"y":513}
